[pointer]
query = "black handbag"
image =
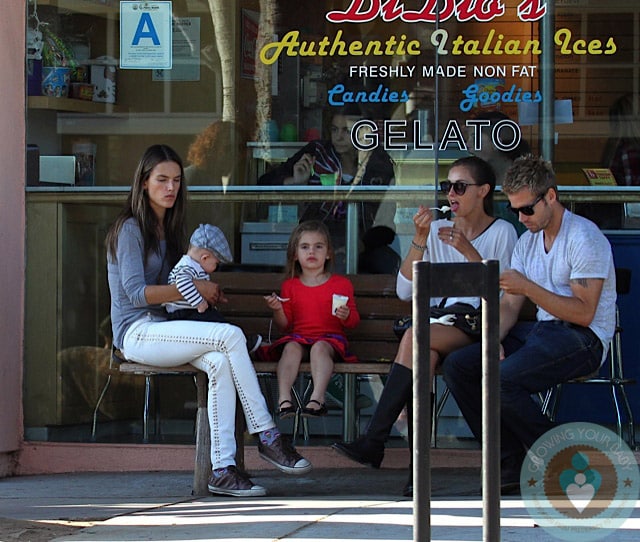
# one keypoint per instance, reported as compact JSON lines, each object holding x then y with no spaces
{"x":401,"y":325}
{"x":467,"y":319}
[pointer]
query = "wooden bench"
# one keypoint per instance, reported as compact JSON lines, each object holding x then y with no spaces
{"x":373,"y":341}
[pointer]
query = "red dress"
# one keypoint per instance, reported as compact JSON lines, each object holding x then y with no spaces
{"x":308,"y":312}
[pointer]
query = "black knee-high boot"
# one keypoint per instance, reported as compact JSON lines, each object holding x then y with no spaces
{"x":369,"y":449}
{"x":407,"y":490}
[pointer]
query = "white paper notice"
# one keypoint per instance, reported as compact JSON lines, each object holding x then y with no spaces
{"x":186,"y":52}
{"x":146,"y":35}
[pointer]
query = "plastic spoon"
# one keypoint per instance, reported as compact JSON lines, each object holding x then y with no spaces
{"x":442,"y":209}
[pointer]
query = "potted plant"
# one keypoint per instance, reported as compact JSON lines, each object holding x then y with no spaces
{"x":57,"y":63}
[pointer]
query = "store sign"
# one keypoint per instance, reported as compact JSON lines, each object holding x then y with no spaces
{"x":362,"y":11}
{"x":146,"y":35}
{"x":492,"y":69}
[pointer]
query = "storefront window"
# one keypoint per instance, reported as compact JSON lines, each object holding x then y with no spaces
{"x":383,"y":94}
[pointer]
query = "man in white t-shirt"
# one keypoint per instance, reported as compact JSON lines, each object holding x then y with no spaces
{"x":564,"y":265}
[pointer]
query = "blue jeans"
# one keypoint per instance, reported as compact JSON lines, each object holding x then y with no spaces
{"x":538,"y":355}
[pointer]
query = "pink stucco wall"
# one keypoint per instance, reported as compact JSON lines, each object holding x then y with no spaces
{"x":12,"y":228}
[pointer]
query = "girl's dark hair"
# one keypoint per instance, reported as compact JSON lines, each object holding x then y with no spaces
{"x":293,"y":268}
{"x":481,"y":173}
{"x":138,"y":207}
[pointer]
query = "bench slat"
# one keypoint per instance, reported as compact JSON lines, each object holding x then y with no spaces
{"x":140,"y":369}
{"x":371,"y":330}
{"x":246,"y":283}
{"x":370,"y":308}
{"x":373,"y":351}
{"x":338,"y":368}
{"x":377,"y":367}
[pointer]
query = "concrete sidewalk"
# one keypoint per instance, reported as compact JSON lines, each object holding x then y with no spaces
{"x":327,"y":505}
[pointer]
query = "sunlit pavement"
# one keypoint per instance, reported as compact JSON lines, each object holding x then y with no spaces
{"x":346,"y":505}
{"x":321,"y":520}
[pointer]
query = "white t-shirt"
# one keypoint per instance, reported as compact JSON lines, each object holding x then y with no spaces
{"x":580,"y":251}
{"x":494,"y":243}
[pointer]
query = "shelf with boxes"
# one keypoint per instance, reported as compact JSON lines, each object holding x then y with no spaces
{"x":61,"y":37}
{"x":72,"y":105}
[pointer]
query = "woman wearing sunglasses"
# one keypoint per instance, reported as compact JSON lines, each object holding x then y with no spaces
{"x":473,"y":234}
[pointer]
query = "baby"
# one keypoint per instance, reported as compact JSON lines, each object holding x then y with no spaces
{"x":208,"y":247}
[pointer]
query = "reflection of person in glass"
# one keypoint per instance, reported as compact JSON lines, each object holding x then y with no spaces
{"x":214,"y":155}
{"x":499,"y":160}
{"x":622,"y":154}
{"x":335,"y":161}
{"x":335,"y":156}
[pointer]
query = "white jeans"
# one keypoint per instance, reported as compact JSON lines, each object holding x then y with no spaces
{"x":221,"y":351}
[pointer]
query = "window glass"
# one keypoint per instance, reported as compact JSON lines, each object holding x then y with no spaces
{"x":283,"y":110}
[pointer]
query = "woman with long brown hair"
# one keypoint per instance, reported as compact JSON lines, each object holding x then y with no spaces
{"x":144,"y":243}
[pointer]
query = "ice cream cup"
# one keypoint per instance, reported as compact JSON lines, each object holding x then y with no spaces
{"x":338,"y":301}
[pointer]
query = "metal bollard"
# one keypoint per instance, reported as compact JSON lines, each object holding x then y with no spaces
{"x":454,"y":280}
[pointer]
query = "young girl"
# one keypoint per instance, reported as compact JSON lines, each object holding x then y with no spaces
{"x":314,"y":331}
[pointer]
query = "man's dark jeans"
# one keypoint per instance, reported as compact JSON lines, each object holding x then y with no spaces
{"x":538,"y":355}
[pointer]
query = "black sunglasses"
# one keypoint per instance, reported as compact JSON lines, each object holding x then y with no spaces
{"x":527,"y":210}
{"x":458,"y":187}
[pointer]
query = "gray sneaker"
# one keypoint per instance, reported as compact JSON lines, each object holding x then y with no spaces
{"x":235,"y":483}
{"x":284,"y":456}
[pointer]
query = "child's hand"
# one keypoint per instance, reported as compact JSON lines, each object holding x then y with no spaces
{"x":202,"y":306}
{"x":274,"y":301}
{"x":210,"y":291}
{"x":343,"y":312}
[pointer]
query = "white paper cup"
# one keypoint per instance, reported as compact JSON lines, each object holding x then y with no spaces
{"x":338,"y":301}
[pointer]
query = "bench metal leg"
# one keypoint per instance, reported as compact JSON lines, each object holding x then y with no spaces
{"x":145,"y":409}
{"x":298,"y":419}
{"x":150,"y":386}
{"x":97,"y":407}
{"x":551,"y":401}
{"x":349,"y":405}
{"x":157,"y":426}
{"x":615,"y":389}
{"x":550,"y":405}
{"x":438,"y":407}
